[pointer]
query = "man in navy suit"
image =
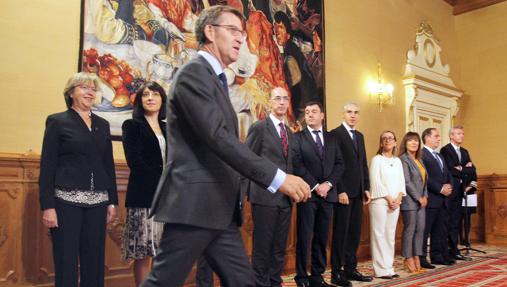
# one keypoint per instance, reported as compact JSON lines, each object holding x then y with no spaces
{"x":318,"y":160}
{"x":439,"y":189}
{"x":464,"y":179}
{"x":198,"y":196}
{"x":353,"y":192}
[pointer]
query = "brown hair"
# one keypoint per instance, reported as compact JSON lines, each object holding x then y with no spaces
{"x":410,"y":136}
{"x":379,"y":151}
{"x":210,"y":16}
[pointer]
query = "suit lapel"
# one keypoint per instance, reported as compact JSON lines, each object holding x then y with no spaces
{"x":308,"y":136}
{"x":348,"y":141}
{"x":272,"y":130}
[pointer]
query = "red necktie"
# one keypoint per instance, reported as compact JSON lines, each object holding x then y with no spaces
{"x":285,"y":140}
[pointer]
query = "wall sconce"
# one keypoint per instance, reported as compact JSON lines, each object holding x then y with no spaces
{"x":380,"y":92}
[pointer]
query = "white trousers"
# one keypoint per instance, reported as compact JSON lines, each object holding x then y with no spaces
{"x":382,"y":233}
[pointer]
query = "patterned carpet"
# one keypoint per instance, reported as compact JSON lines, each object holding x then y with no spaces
{"x":485,"y":270}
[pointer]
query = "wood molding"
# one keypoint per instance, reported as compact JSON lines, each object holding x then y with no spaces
{"x":463,"y":6}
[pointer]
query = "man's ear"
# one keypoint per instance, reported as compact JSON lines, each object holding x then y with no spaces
{"x":209,"y":32}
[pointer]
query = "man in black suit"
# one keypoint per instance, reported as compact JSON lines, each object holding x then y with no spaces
{"x":271,"y":212}
{"x":198,"y":193}
{"x":353,"y":191}
{"x":464,"y":179}
{"x":439,"y":189}
{"x":318,"y":160}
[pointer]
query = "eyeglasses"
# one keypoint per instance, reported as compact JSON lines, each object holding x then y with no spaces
{"x":388,"y":139}
{"x":88,"y":88}
{"x":279,"y":99}
{"x":232,"y":29}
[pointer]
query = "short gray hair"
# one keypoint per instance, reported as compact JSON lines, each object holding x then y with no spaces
{"x":76,"y":80}
{"x":350,"y":103}
{"x":210,"y":16}
{"x":456,"y":127}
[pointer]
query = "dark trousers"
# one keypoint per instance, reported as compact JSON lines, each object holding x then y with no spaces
{"x":313,"y":219}
{"x":270,"y":231}
{"x":204,"y":274}
{"x":79,"y":237}
{"x":435,"y":229}
{"x":454,"y":216}
{"x":346,"y":235}
{"x":181,"y":245}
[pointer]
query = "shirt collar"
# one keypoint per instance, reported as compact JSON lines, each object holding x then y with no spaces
{"x":217,"y":68}
{"x":275,"y":120}
{"x":429,"y":149}
{"x":347,"y":127}
{"x":311,"y":130}
{"x":455,"y":146}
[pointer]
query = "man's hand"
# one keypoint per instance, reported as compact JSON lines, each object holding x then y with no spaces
{"x":423,"y":201}
{"x":446,"y":190}
{"x":469,"y":164}
{"x":343,"y":198}
{"x":295,"y":188}
{"x":367,"y":197}
{"x":468,"y":188}
{"x":323,"y":189}
{"x":49,"y":218}
{"x":459,"y":167}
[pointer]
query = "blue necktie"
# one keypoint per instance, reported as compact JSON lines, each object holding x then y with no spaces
{"x":318,"y":143}
{"x":223,"y":79}
{"x":354,"y":139}
{"x":438,"y":159}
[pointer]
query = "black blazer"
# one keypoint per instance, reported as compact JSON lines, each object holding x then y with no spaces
{"x":436,"y":179}
{"x":355,"y":179}
{"x":200,"y":184}
{"x":144,"y":159}
{"x":263,"y":139}
{"x":313,"y":168}
{"x":71,"y":153}
{"x":460,"y":179}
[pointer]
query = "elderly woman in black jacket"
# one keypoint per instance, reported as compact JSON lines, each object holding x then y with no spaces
{"x":145,"y":148}
{"x":77,"y":185}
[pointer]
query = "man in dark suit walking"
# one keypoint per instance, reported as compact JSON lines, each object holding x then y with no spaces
{"x":439,"y":189}
{"x":198,"y":195}
{"x":271,"y":212}
{"x":353,"y":192}
{"x":464,"y":179}
{"x":318,"y":160}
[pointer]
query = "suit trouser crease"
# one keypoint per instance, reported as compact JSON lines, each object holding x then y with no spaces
{"x":313,"y":218}
{"x":181,"y":245}
{"x":270,"y":233}
{"x":413,"y":232}
{"x":346,"y":235}
{"x":435,"y":230}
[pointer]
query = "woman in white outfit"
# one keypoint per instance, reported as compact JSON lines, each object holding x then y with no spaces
{"x":387,"y":190}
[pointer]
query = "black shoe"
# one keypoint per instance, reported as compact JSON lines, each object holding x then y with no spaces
{"x":319,"y":282}
{"x":356,"y":276}
{"x":387,"y":277}
{"x":340,"y":280}
{"x":426,"y":265}
{"x":443,"y":262}
{"x":461,"y":257}
{"x":395,"y":275}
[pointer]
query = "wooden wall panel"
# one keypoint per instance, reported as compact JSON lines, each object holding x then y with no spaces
{"x":25,"y":245}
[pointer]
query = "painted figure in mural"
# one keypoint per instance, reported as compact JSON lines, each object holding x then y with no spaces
{"x":298,"y":75}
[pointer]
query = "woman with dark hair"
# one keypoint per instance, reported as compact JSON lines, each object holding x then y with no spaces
{"x":145,"y":149}
{"x":387,"y":189}
{"x":413,"y":206}
{"x":77,"y":185}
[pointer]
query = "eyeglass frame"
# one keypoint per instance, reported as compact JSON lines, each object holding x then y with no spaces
{"x":232,"y":29}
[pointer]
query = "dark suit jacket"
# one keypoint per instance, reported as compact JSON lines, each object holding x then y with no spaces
{"x":144,"y":159}
{"x":355,"y":179}
{"x":200,"y":183}
{"x":436,"y":179}
{"x":414,"y":183}
{"x":263,"y":139}
{"x":71,"y":153}
{"x":313,"y":168}
{"x":460,"y":179}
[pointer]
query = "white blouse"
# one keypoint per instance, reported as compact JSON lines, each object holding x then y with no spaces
{"x":386,"y":177}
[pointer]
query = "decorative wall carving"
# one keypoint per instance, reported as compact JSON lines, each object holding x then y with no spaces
{"x":430,"y":94}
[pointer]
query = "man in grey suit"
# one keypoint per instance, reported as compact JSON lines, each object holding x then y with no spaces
{"x":271,"y":212}
{"x":198,"y":195}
